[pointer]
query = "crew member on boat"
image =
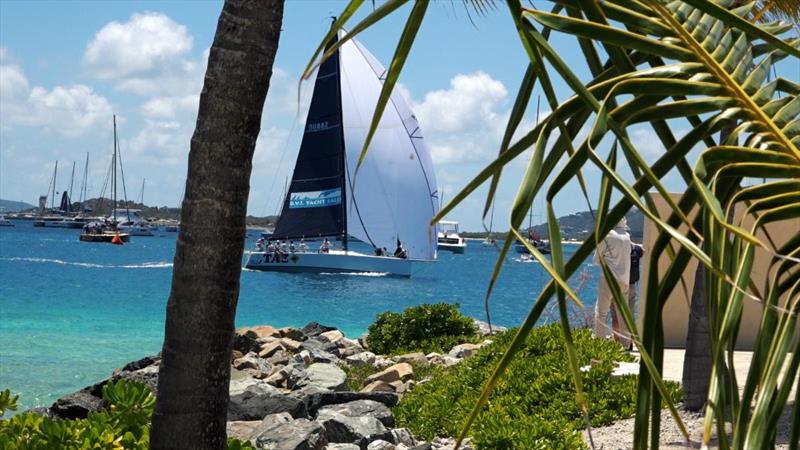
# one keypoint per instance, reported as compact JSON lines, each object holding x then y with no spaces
{"x":400,"y":252}
{"x":292,"y":248}
{"x":325,"y":247}
{"x":270,"y":247}
{"x":303,"y":246}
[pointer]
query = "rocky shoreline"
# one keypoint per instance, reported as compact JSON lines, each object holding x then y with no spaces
{"x":288,"y":390}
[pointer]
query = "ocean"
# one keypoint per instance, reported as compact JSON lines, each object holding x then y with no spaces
{"x":72,"y":312}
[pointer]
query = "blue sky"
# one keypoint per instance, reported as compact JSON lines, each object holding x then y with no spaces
{"x":67,"y":66}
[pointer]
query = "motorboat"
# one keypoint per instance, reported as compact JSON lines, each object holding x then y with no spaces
{"x":448,"y":238}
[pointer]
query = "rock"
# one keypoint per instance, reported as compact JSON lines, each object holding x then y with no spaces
{"x":270,"y":349}
{"x":304,"y":358}
{"x":254,"y":399}
{"x":325,"y":376}
{"x":378,"y":386}
{"x":485,"y":342}
{"x":265,"y":331}
{"x":147,"y":375}
{"x":483,"y":328}
{"x":141,"y":364}
{"x":417,"y":358}
{"x":236,"y":355}
{"x":464,"y":350}
{"x":321,"y":351}
{"x":342,"y":446}
{"x":348,"y":347}
{"x":291,"y":344}
{"x":403,"y":437}
{"x":381,"y":445}
{"x":331,"y":336}
{"x":357,"y":430}
{"x":423,"y":446}
{"x":278,"y":378}
{"x":315,"y":401}
{"x":382,"y":362}
{"x":361,"y":359}
{"x":248,"y":361}
{"x":246,"y":343}
{"x":398,"y":386}
{"x":434,"y":358}
{"x":401,"y":371}
{"x":448,"y":361}
{"x":358,"y":408}
{"x":41,"y":411}
{"x":242,"y":429}
{"x":315,"y":329}
{"x":292,"y":333}
{"x":77,"y":405}
{"x":279,"y":432}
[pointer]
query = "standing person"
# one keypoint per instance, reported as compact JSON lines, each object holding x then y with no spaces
{"x":292,"y":248}
{"x":303,"y":246}
{"x":325,"y":247}
{"x":624,"y":336}
{"x":615,"y":250}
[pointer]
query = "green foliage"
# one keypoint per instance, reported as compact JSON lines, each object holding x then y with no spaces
{"x":425,"y":328}
{"x":7,"y":402}
{"x":123,"y":424}
{"x":534,"y":405}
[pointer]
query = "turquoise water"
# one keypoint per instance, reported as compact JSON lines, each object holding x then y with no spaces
{"x":71,"y":312}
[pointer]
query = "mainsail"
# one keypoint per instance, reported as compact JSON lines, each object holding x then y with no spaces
{"x":314,"y":203}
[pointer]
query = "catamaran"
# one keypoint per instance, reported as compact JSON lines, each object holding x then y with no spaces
{"x":388,"y":204}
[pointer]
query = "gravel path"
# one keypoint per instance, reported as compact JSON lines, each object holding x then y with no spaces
{"x":619,"y":435}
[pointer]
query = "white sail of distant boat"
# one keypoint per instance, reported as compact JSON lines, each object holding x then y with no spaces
{"x":389,"y":200}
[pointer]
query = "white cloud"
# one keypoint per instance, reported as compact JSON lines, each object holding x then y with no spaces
{"x":66,"y":110}
{"x":142,"y":45}
{"x":168,"y":108}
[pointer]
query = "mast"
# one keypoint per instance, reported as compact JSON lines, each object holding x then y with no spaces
{"x":343,"y":155}
{"x":141,"y":193}
{"x":83,"y":185}
{"x":114,"y":175}
{"x":53,"y":196}
{"x":71,"y":180}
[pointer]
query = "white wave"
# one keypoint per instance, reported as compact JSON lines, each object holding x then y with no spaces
{"x":357,"y":274}
{"x":530,"y":260}
{"x":146,"y":265}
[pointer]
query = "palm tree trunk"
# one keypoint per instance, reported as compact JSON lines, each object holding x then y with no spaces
{"x":192,"y":398}
{"x":697,"y":360}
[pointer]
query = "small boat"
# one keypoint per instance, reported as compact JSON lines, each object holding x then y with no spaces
{"x":388,"y":204}
{"x":131,"y":221}
{"x":448,"y":238}
{"x":107,"y":231}
{"x":171,"y":228}
{"x":542,"y":245}
{"x":5,"y":222}
{"x":489,"y":241}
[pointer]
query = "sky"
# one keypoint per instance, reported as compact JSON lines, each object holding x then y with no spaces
{"x":67,"y":66}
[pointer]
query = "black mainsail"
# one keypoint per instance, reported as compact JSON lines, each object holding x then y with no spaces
{"x":315,"y":201}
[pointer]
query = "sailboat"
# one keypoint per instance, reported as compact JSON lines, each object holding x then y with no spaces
{"x":534,"y":239}
{"x":107,"y":231}
{"x":387,"y":205}
{"x":489,"y":240}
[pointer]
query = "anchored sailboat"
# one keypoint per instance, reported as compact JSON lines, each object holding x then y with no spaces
{"x":391,"y":201}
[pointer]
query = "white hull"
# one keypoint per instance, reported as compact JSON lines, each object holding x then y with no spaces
{"x":137,"y":231}
{"x":334,"y":262}
{"x":455,"y":248}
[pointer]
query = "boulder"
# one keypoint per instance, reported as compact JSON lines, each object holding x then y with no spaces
{"x":448,"y":360}
{"x":331,"y":336}
{"x":401,"y":371}
{"x":381,"y":445}
{"x":252,"y":399}
{"x":483,"y":328}
{"x":292,"y":333}
{"x":270,"y":349}
{"x":464,"y":350}
{"x":77,"y":405}
{"x":361,"y":359}
{"x":246,"y":343}
{"x":290,"y":344}
{"x":378,"y":386}
{"x":248,"y":361}
{"x":423,"y":446}
{"x":242,"y":429}
{"x":321,"y":351}
{"x":348,"y":347}
{"x":280,"y":432}
{"x":342,"y":446}
{"x":357,"y":430}
{"x":265,"y":331}
{"x":434,"y":358}
{"x":141,"y":363}
{"x":314,"y":329}
{"x":358,"y":408}
{"x":402,"y":436}
{"x":147,"y":375}
{"x":315,"y":401}
{"x":324,"y":376}
{"x":382,"y":362}
{"x":417,"y":358}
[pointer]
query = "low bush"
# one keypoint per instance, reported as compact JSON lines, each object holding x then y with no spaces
{"x":124,"y":424}
{"x":425,"y":328}
{"x":534,"y":405}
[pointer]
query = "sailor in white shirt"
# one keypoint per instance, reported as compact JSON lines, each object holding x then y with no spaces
{"x":615,"y":250}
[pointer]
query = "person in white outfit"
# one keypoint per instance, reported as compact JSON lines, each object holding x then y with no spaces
{"x":615,"y":250}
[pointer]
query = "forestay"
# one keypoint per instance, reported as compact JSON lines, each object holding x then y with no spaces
{"x":393,"y":195}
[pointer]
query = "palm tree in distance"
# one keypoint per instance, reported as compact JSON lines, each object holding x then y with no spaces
{"x":192,"y":401}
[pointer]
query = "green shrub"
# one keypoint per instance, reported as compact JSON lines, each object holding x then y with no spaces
{"x":124,"y":424}
{"x":534,"y":405}
{"x":425,"y":328}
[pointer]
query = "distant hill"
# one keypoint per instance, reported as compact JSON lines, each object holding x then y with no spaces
{"x":579,"y":225}
{"x":14,"y":206}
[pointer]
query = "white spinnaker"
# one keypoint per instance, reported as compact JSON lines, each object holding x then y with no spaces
{"x":393,"y":195}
